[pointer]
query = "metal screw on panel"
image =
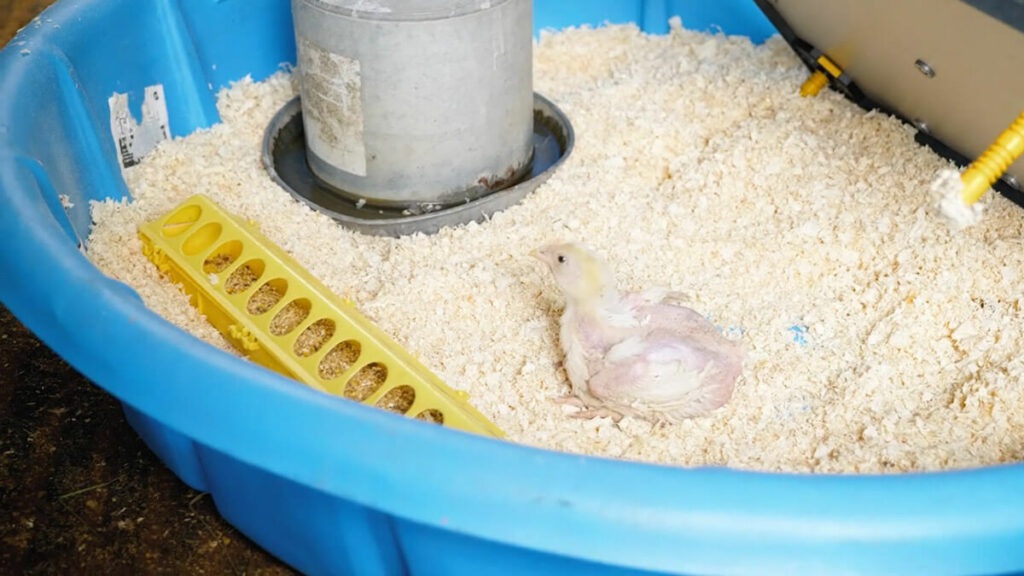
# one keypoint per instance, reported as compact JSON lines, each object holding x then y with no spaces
{"x":921,"y":125}
{"x":1012,"y":181}
{"x":924,"y":68}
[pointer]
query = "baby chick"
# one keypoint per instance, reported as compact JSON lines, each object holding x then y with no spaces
{"x":638,"y":354}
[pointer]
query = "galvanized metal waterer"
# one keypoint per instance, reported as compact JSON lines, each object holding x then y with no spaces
{"x":414,"y":115}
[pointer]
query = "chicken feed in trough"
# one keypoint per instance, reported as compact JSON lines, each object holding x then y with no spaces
{"x":801,"y":227}
{"x":282,"y":318}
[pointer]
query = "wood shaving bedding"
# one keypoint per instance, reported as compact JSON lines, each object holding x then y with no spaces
{"x":946,"y":188}
{"x":879,"y":339}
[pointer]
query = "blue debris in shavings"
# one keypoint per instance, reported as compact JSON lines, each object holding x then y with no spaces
{"x":734,"y":331}
{"x":799,"y":331}
{"x":788,"y":413}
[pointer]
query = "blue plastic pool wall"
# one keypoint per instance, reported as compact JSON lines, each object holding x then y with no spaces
{"x":331,"y":487}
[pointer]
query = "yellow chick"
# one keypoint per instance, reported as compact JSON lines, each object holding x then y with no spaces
{"x":638,"y":354}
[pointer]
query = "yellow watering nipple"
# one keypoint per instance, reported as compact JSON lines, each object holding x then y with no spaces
{"x":819,"y":78}
{"x":283,"y":318}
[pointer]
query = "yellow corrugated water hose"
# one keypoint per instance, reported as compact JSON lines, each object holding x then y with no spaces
{"x":993,"y":162}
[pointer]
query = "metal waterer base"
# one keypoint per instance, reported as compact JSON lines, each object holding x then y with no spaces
{"x":284,"y":155}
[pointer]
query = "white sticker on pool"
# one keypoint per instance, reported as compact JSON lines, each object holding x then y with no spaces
{"x":132,"y":139}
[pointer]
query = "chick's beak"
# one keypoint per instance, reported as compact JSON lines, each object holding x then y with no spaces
{"x":540,"y":254}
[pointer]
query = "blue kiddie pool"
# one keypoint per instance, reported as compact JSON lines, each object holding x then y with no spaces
{"x":332,"y":487}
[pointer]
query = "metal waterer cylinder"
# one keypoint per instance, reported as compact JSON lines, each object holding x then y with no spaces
{"x":416,"y":103}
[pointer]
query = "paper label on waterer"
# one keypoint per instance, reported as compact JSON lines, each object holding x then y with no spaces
{"x":332,"y":107}
{"x":132,"y":139}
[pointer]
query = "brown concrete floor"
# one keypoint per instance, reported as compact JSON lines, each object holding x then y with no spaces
{"x":79,"y":492}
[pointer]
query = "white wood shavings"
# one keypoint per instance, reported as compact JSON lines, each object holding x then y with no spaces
{"x":946,"y":189}
{"x":879,"y":340}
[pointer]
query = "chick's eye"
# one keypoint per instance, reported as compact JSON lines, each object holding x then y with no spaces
{"x":561,"y":259}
